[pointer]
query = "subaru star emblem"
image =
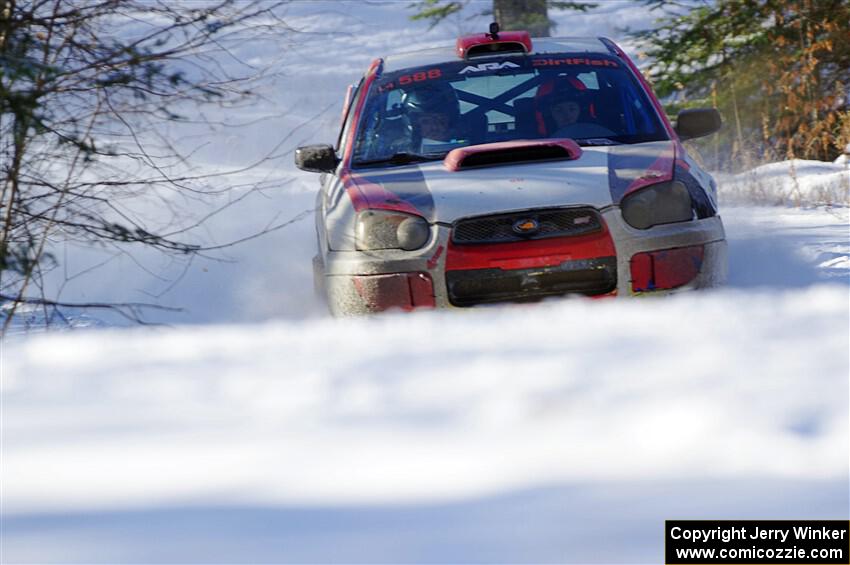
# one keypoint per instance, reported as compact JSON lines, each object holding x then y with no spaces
{"x":526,"y":226}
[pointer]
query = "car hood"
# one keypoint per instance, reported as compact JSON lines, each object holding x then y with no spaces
{"x":599,"y":177}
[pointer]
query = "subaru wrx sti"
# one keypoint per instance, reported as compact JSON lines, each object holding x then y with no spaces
{"x":506,"y":168}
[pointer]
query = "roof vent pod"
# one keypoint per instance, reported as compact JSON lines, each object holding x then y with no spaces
{"x":493,"y":43}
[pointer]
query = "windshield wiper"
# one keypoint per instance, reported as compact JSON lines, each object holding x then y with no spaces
{"x":403,"y":158}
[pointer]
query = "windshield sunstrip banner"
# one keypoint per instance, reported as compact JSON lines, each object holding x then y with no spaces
{"x":510,"y":65}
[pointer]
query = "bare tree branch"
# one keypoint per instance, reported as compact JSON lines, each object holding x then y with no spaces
{"x":85,"y":90}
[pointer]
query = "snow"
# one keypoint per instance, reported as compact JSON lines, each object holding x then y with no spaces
{"x":430,"y":413}
{"x":588,"y":393}
{"x":787,"y":247}
{"x":260,"y":430}
{"x":844,"y":158}
{"x":795,"y":182}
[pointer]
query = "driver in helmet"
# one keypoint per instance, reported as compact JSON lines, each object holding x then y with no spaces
{"x":434,"y":113}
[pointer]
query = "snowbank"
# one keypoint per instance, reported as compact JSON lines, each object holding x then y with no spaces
{"x":795,"y":182}
{"x":435,"y":406}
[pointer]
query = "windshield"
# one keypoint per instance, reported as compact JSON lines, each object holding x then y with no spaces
{"x":422,"y":113}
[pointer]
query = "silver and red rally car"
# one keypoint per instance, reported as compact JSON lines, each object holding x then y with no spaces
{"x":510,"y":169}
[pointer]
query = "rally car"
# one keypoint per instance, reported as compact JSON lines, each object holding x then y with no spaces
{"x":505,"y":169}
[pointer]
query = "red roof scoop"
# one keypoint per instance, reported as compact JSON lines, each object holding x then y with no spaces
{"x":481,"y":44}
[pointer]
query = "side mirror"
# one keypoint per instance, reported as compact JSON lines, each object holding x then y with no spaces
{"x":697,"y":122}
{"x":316,"y":158}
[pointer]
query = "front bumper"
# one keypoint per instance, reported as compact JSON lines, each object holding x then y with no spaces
{"x":359,"y":282}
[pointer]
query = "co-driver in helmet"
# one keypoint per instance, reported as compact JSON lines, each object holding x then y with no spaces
{"x":570,"y":111}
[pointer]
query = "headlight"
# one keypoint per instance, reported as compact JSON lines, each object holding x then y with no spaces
{"x":664,"y":203}
{"x":383,"y":229}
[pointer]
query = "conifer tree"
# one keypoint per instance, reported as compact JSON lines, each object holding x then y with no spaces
{"x":778,"y":70}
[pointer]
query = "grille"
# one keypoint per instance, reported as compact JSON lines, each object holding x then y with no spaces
{"x":551,"y":223}
{"x":588,"y":277}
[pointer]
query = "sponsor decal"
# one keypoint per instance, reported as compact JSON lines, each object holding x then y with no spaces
{"x":432,"y":262}
{"x":488,"y":67}
{"x":411,"y":78}
{"x":569,"y":61}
